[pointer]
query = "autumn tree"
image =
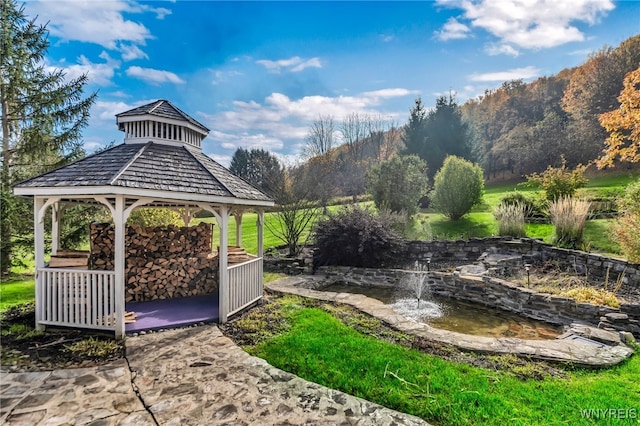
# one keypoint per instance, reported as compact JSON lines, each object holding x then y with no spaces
{"x":43,"y":114}
{"x":623,"y":125}
{"x":593,"y":90}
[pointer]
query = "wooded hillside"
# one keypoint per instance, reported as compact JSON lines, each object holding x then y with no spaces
{"x":523,"y":127}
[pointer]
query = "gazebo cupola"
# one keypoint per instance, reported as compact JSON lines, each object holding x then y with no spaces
{"x":161,"y":122}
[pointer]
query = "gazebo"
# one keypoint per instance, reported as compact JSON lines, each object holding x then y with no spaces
{"x":160,"y":164}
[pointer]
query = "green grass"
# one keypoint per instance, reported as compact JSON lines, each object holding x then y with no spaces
{"x":319,"y":348}
{"x":15,"y":291}
{"x":481,"y":223}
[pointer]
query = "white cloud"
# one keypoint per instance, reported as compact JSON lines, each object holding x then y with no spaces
{"x":131,"y":52}
{"x":99,"y":74}
{"x":310,"y":63}
{"x":390,"y":93}
{"x":119,"y":94}
{"x":530,"y":24}
{"x":224,"y":160}
{"x":223,"y":76}
{"x":278,"y":120}
{"x":512,"y":74}
{"x":153,"y":76}
{"x":107,"y":111}
{"x":453,"y":30}
{"x":386,"y":38}
{"x":100,"y":22}
{"x":501,"y":49}
{"x":293,"y":64}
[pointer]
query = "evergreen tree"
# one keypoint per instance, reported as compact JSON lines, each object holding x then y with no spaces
{"x":414,"y":132}
{"x":260,"y":168}
{"x":43,"y":115}
{"x":434,"y":135}
{"x":446,"y":134}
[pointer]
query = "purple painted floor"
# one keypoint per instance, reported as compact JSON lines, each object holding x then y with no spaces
{"x":169,"y":313}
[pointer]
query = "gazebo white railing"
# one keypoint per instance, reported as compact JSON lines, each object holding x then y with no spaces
{"x":77,"y":298}
{"x":245,"y":284}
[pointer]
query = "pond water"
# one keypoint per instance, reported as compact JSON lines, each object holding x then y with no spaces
{"x":455,"y":315}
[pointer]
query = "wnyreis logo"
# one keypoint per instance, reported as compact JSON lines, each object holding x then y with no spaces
{"x":609,"y":413}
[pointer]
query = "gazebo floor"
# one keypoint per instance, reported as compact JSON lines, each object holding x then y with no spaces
{"x":170,"y":313}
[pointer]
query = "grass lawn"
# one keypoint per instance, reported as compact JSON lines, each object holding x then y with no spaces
{"x":16,"y":290}
{"x":320,"y":348}
{"x":481,"y":223}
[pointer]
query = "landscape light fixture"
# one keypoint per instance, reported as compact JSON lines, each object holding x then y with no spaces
{"x":428,"y":264}
{"x":527,"y":267}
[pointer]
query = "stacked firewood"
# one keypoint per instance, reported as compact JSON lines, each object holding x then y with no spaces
{"x":160,"y":262}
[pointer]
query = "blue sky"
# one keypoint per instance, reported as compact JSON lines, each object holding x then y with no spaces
{"x":258,"y":73}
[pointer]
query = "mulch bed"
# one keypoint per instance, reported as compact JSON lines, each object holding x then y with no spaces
{"x":32,"y":351}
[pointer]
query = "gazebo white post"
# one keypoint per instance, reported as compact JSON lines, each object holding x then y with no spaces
{"x":260,"y":226}
{"x":55,"y":228}
{"x":223,"y":293}
{"x":38,"y":227}
{"x":118,"y":244}
{"x":237,"y":214}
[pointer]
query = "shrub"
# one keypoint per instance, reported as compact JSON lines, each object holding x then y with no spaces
{"x":592,"y":295}
{"x":559,"y":181}
{"x":630,"y":201}
{"x":532,"y":207}
{"x":510,"y":219}
{"x":568,"y":216}
{"x":152,"y":216}
{"x":458,"y":186}
{"x":627,"y":229}
{"x":398,"y":183}
{"x":354,"y":236}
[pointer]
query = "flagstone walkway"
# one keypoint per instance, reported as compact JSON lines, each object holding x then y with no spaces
{"x":188,"y":376}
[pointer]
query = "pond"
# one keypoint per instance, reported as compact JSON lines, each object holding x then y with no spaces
{"x":455,"y":315}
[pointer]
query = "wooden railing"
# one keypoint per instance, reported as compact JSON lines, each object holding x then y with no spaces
{"x":76,"y":298}
{"x":245,"y":284}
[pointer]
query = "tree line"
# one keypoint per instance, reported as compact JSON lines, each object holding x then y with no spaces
{"x":512,"y":131}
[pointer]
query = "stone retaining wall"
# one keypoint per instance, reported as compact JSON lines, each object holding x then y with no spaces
{"x":496,"y":293}
{"x":596,"y":267}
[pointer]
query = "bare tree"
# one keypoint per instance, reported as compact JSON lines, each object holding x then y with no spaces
{"x":353,"y":131}
{"x":320,"y":140}
{"x":294,"y":214}
{"x":376,"y":126}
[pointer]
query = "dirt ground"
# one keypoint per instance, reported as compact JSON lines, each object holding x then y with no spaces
{"x":24,"y":349}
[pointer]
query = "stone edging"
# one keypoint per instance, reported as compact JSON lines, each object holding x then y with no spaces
{"x":579,"y":351}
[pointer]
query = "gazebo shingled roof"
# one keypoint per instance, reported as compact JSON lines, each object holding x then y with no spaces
{"x":150,"y":166}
